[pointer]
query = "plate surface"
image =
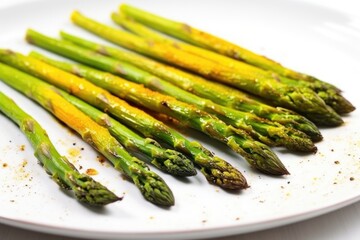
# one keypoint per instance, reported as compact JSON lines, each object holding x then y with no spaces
{"x":311,"y":38}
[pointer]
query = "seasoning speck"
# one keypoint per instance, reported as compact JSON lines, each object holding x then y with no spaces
{"x":337,"y":162}
{"x":74,"y":152}
{"x":101,"y":159}
{"x":352,"y":178}
{"x":24,"y":163}
{"x":22,"y":147}
{"x":91,"y":171}
{"x":5,"y":165}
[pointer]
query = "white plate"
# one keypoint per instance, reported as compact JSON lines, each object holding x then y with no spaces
{"x":311,"y":38}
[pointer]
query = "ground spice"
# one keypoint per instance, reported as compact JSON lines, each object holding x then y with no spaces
{"x":91,"y":171}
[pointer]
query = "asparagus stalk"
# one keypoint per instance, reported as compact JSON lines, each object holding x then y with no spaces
{"x":215,"y":169}
{"x":330,"y":96}
{"x":165,"y":159}
{"x":85,"y":188}
{"x":257,"y":154}
{"x":153,"y":188}
{"x":211,"y":42}
{"x":303,"y":100}
{"x":264,"y":130}
{"x":216,"y":92}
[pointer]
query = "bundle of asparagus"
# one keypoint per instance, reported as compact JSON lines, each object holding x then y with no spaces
{"x":167,"y":160}
{"x":152,"y":186}
{"x":244,"y":121}
{"x":208,"y":41}
{"x":257,"y":154}
{"x":266,"y":131}
{"x":85,"y":188}
{"x":302,"y":100}
{"x":215,"y":169}
{"x":327,"y":92}
{"x":199,"y":86}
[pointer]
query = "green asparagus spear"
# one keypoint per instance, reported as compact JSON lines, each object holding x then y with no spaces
{"x":216,"y":92}
{"x":331,"y":97}
{"x":85,"y":188}
{"x":208,"y":41}
{"x":165,"y":159}
{"x":215,"y":169}
{"x":303,"y":100}
{"x":264,"y":130}
{"x":153,"y":188}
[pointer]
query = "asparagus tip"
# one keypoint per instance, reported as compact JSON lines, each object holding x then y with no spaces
{"x":91,"y":192}
{"x":176,"y":164}
{"x":223,"y":174}
{"x":154,"y":189}
{"x":262,"y":158}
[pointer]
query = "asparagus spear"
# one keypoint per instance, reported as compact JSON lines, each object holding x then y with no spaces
{"x":85,"y":188}
{"x":165,"y":159}
{"x":153,"y":188}
{"x":303,"y":100}
{"x":216,"y":92}
{"x":209,"y":41}
{"x":330,"y":96}
{"x":215,"y":169}
{"x":266,"y":131}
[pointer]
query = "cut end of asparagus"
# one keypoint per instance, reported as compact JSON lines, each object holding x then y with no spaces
{"x":176,"y":164}
{"x":89,"y":191}
{"x":223,"y":174}
{"x":153,"y":188}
